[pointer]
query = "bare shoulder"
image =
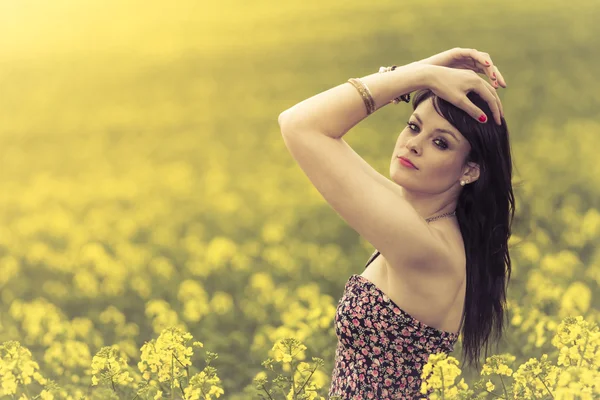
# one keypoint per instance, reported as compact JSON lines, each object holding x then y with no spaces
{"x":442,"y":263}
{"x":446,"y":262}
{"x":450,"y":237}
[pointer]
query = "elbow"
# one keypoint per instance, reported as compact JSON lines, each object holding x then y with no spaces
{"x":282,"y":117}
{"x":283,"y":120}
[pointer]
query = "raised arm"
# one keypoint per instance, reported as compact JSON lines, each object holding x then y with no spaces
{"x":335,"y":111}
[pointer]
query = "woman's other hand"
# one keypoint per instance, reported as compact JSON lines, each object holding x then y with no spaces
{"x":469,"y":59}
{"x":453,"y":85}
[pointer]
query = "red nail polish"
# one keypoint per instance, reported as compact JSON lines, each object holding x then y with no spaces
{"x":483,"y":118}
{"x":486,"y":62}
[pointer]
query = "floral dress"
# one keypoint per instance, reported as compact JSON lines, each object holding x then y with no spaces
{"x":381,"y":349}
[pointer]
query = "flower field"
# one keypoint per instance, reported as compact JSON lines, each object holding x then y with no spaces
{"x":158,"y":241}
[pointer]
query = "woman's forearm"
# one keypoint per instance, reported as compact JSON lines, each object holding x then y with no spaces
{"x":335,"y":111}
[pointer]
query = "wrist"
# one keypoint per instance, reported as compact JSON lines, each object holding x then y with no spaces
{"x":423,"y":74}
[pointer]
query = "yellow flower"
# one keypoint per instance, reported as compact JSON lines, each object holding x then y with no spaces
{"x":287,"y":349}
{"x":578,"y":382}
{"x":534,"y":378}
{"x":67,"y":355}
{"x":498,"y":364}
{"x":162,"y":316}
{"x":167,"y":356}
{"x":439,"y":375}
{"x":576,"y":299}
{"x":206,"y":382}
{"x":17,"y":367}
{"x":9,"y":384}
{"x":112,"y":362}
{"x":194,"y":298}
{"x":45,"y":395}
{"x":578,"y":342}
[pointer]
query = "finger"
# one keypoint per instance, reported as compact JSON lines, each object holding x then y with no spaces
{"x":495,"y":72}
{"x":493,"y":89}
{"x":485,"y":94}
{"x":500,"y":76}
{"x":486,"y":63}
{"x":488,"y":93}
{"x":498,"y":102}
{"x":471,"y":109}
{"x":473,"y":60}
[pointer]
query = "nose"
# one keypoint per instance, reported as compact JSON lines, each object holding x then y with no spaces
{"x":413,"y":145}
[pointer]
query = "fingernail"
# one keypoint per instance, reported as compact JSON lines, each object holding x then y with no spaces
{"x":494,"y":75}
{"x":483,"y":118}
{"x":487,"y":62}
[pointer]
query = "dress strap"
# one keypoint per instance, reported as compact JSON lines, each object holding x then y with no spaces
{"x":373,"y":256}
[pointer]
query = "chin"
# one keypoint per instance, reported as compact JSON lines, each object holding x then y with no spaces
{"x":398,"y":182}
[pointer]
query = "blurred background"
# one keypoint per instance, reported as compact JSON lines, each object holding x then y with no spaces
{"x":144,"y":182}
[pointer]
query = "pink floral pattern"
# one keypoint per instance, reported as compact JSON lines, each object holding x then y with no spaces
{"x":381,"y":349}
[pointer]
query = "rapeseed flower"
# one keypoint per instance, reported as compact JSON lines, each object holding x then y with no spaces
{"x":438,"y":378}
{"x":166,"y":357}
{"x":17,"y":367}
{"x":535,"y":378}
{"x":110,"y":365}
{"x":578,"y":342}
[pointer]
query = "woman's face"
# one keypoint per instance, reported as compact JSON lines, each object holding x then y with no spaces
{"x":438,"y":155}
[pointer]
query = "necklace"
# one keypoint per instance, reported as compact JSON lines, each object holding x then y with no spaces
{"x":441,"y":216}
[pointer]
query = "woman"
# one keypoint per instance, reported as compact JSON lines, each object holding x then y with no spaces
{"x":440,"y":225}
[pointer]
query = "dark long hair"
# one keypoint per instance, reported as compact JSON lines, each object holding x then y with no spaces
{"x":485,"y":212}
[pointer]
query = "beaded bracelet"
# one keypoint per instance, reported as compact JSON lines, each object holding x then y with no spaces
{"x":404,"y":97}
{"x":366,"y":93}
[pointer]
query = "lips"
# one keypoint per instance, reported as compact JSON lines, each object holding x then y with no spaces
{"x":408,"y":161}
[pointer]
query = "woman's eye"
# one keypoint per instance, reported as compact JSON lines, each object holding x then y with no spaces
{"x":440,"y":142}
{"x":443,"y":144}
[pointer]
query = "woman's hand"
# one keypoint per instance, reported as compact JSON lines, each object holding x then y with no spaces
{"x":453,"y":85}
{"x":470,"y":59}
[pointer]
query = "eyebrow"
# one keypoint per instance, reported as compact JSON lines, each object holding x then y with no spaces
{"x":437,"y":129}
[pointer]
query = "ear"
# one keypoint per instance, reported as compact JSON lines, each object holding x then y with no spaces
{"x":471,"y":172}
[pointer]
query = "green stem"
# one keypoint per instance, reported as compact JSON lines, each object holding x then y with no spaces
{"x":503,"y":387}
{"x":293,"y":380}
{"x":187,"y":370}
{"x":544,"y":383}
{"x":584,"y":348}
{"x":498,"y":396}
{"x":292,"y":372}
{"x":162,"y":387}
{"x":443,"y":388}
{"x":203,"y":395}
{"x":267,"y":392}
{"x":172,"y":373}
{"x":307,"y":379}
{"x":111,"y":378}
{"x":180,"y":388}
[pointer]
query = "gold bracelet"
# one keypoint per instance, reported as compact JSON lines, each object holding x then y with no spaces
{"x":365,"y":94}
